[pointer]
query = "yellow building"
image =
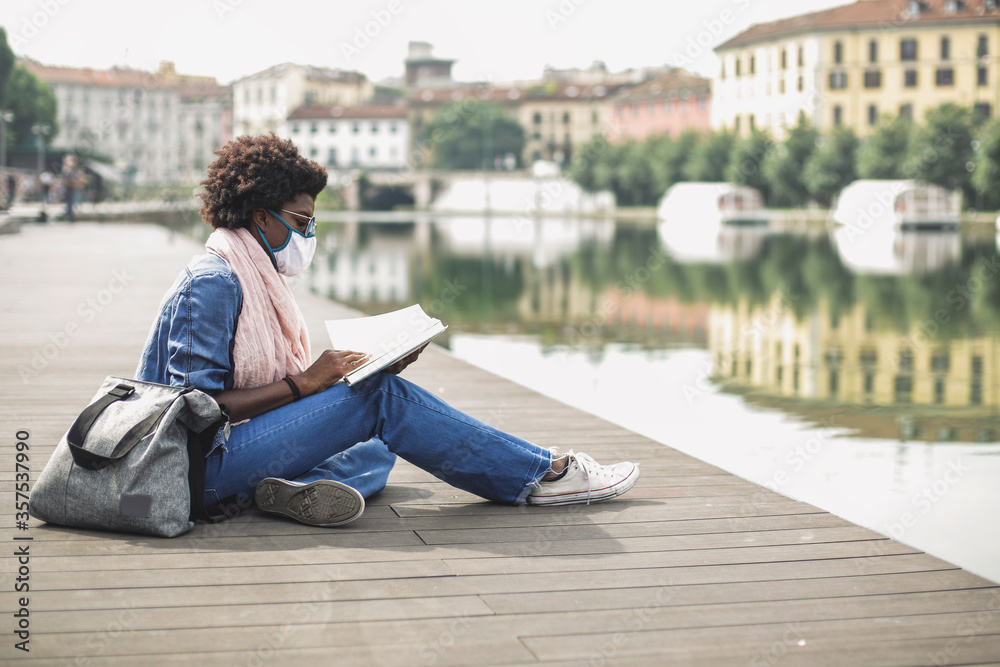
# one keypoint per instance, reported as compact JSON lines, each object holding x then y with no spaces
{"x":854,"y":63}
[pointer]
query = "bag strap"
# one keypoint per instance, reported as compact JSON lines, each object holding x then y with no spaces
{"x":81,"y":427}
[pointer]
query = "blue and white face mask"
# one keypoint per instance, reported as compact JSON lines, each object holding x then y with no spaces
{"x":296,"y":253}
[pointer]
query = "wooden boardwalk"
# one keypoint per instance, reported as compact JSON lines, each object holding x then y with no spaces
{"x":693,"y":567}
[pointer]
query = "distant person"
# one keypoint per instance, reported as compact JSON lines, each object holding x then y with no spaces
{"x":11,"y":189}
{"x":74,"y":180}
{"x":46,"y":182}
{"x":304,"y":444}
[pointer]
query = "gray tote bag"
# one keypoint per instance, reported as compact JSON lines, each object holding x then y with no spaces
{"x":133,"y":461}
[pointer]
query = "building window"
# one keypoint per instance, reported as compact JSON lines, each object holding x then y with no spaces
{"x":372,"y":152}
{"x":944,"y":76}
{"x":595,"y":119}
{"x":800,"y":84}
{"x":838,"y":52}
{"x":838,"y":114}
{"x":982,"y":47}
{"x":736,"y":124}
{"x":392,"y":128}
{"x":331,"y":157}
{"x":313,"y":128}
{"x":945,"y":48}
{"x":374,"y":128}
{"x":737,"y":67}
{"x":981,"y":76}
{"x":752,"y":122}
{"x":355,"y":127}
{"x":800,"y":57}
{"x":722,"y":71}
{"x":981,"y":110}
{"x":872,"y":114}
{"x":566,"y":116}
{"x":781,"y":87}
{"x":753,"y":65}
{"x":872,"y":51}
{"x":906,"y":111}
{"x":907,"y":49}
{"x":295,"y":128}
{"x":873,"y":79}
{"x":333,"y":128}
{"x":313,"y":152}
{"x":784,"y":59}
{"x":910,"y":78}
{"x":838,"y":80}
{"x":537,"y":118}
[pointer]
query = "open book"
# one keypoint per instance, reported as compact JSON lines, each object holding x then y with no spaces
{"x":387,"y":338}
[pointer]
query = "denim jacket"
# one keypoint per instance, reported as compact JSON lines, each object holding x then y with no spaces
{"x":191,"y":340}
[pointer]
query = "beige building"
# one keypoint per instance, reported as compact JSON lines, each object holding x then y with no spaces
{"x":263,"y":101}
{"x":155,"y":128}
{"x":854,"y":63}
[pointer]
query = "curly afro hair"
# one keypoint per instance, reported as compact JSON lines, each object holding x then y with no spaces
{"x":256,"y":172}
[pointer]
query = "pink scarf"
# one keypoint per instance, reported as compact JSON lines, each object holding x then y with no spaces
{"x":271,"y":339}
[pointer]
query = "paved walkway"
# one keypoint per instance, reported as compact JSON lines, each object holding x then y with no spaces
{"x":694,"y":567}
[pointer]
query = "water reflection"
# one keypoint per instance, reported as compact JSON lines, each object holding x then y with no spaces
{"x":895,"y":332}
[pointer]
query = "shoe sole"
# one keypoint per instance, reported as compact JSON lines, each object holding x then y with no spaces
{"x":320,"y":503}
{"x":596,"y":495}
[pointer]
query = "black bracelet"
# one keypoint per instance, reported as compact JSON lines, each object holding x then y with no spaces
{"x":296,"y":394}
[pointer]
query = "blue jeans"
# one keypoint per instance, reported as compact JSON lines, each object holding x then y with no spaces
{"x":353,"y":434}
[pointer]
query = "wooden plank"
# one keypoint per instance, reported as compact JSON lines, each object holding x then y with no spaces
{"x":224,"y":593}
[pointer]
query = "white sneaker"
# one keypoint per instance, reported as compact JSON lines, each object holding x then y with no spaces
{"x":585,"y":480}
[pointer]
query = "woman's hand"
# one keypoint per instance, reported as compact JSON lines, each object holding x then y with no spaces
{"x":329,"y":369}
{"x":398,"y":367}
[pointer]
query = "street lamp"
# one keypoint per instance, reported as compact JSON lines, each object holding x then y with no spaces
{"x":40,"y":131}
{"x":5,"y":117}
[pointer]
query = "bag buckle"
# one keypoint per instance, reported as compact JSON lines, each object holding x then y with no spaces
{"x":122,"y":391}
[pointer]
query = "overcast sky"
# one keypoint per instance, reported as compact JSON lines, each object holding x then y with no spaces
{"x":491,"y":40}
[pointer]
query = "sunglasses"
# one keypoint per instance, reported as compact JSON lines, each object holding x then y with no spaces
{"x":310,"y":222}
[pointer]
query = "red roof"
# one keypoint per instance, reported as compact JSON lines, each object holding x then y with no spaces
{"x":116,"y":77}
{"x":541,"y":92}
{"x":677,"y":83}
{"x":327,"y":112}
{"x":892,"y":13}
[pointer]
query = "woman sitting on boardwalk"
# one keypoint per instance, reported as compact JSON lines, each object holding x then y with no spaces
{"x":303,"y":443}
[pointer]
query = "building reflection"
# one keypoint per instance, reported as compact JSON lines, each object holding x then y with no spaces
{"x":840,"y":369}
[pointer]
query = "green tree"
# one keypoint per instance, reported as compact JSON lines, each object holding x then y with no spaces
{"x":986,"y":175}
{"x":6,"y":65}
{"x":669,"y":157}
{"x":745,"y":161}
{"x":472,"y":136}
{"x":832,"y":166}
{"x":881,"y":155}
{"x":709,"y":157}
{"x":634,"y":182}
{"x":32,"y":102}
{"x":940,"y":150}
{"x":584,"y":166}
{"x":784,"y":168}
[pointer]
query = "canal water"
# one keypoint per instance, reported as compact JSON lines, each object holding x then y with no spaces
{"x":857,"y":373}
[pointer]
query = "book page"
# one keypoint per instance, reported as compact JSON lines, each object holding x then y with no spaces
{"x":387,"y":338}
